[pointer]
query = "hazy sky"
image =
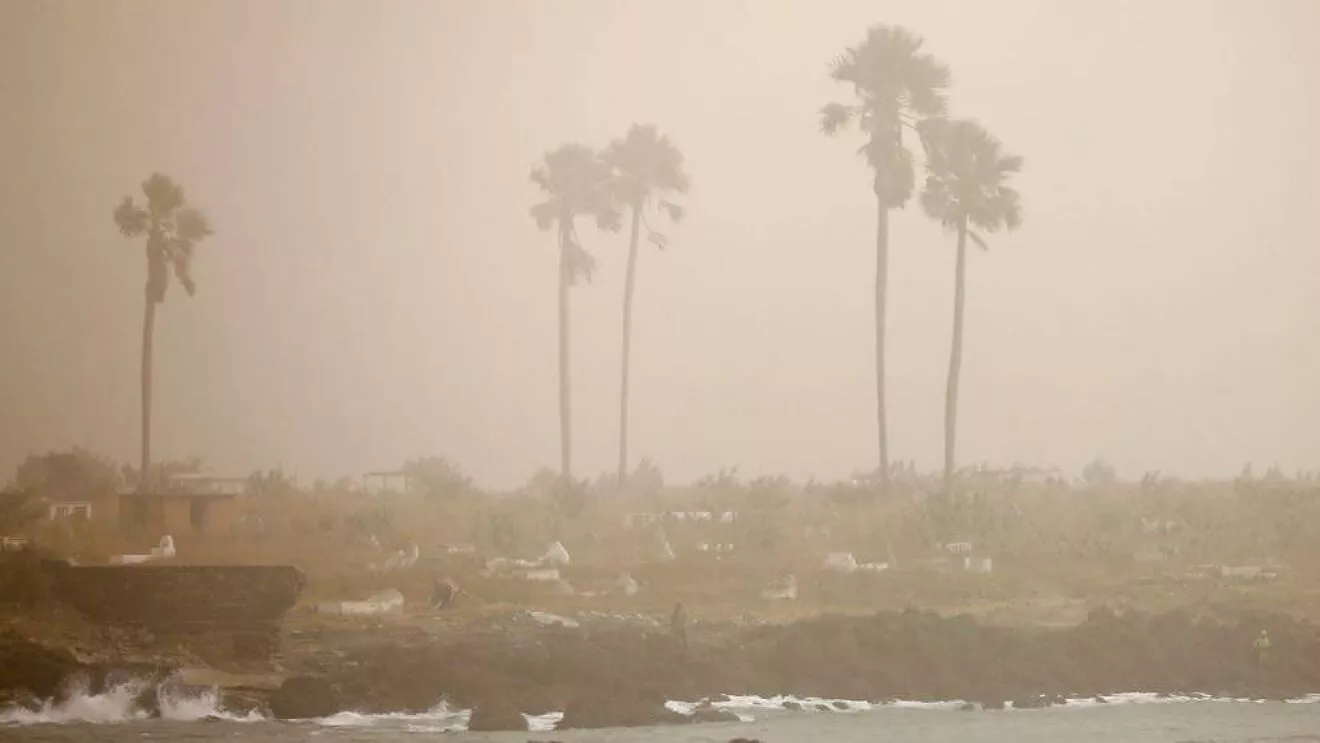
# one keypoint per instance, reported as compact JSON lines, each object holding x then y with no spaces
{"x":376,"y":290}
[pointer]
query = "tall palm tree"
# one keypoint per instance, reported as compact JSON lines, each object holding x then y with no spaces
{"x":575,"y":182}
{"x":966,"y":187}
{"x":896,"y":87}
{"x":646,"y":167}
{"x":173,"y":230}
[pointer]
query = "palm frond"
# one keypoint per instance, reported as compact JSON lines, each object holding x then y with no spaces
{"x":926,"y":80}
{"x":1010,"y":164}
{"x":544,"y":213}
{"x":1009,"y":205}
{"x":580,"y":264}
{"x":131,"y":219}
{"x":608,"y":218}
{"x":675,"y":212}
{"x":935,"y":201}
{"x":180,"y":254}
{"x":843,"y":68}
{"x":980,"y":241}
{"x":657,"y":238}
{"x":163,"y":195}
{"x":192,"y":225}
{"x":834,"y":117}
{"x":540,"y":175}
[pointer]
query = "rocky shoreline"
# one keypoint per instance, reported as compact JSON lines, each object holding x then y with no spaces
{"x":606,"y":675}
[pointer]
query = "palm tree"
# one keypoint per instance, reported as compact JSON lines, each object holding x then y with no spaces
{"x":966,"y":188}
{"x":896,"y":86}
{"x":173,"y":230}
{"x":575,"y":182}
{"x":646,"y":166}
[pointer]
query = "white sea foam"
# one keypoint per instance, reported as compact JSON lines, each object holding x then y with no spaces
{"x":543,"y":723}
{"x":746,"y":707}
{"x":121,"y":703}
{"x":439,"y":719}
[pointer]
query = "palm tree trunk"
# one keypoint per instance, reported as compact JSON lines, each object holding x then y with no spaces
{"x":629,"y":283}
{"x":881,"y":290}
{"x":148,"y":332}
{"x":955,"y":361}
{"x":565,"y":390}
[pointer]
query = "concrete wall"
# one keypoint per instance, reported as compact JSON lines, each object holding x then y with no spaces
{"x":159,"y":515}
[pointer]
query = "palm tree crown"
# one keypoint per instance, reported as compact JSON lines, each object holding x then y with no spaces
{"x":645,"y":166}
{"x":173,"y":230}
{"x":896,"y":85}
{"x":576,"y":182}
{"x":967,"y":179}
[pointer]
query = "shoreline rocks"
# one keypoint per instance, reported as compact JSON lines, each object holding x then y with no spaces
{"x":604,"y":676}
{"x":611,"y":677}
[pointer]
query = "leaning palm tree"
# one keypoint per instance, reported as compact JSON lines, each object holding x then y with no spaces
{"x":173,"y":230}
{"x":896,"y":87}
{"x":576,"y":183}
{"x":646,"y":167}
{"x":966,"y":188}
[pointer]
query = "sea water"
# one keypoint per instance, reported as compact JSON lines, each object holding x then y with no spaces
{"x":1132,"y":718}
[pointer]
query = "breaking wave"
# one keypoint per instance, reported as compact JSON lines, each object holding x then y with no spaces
{"x":439,"y":719}
{"x":124,"y":702}
{"x":746,"y":707}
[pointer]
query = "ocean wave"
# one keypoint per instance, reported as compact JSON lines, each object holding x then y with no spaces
{"x":745,"y":706}
{"x":122,"y":702}
{"x":439,"y":719}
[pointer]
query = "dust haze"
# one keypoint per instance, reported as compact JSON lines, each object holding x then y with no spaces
{"x":375,"y":289}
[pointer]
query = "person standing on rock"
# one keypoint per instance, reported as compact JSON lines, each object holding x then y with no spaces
{"x":443,"y":593}
{"x":1262,"y":648}
{"x":678,"y":628}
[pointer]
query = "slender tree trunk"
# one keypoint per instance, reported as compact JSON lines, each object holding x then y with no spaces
{"x":955,"y":361}
{"x":565,"y":388}
{"x":881,"y":290}
{"x":148,"y":333}
{"x":629,"y":283}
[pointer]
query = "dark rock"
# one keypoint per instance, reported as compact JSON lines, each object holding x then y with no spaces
{"x":302,"y":697}
{"x":20,"y":699}
{"x":148,"y":700}
{"x":792,"y":706}
{"x":33,"y":667}
{"x":618,"y":677}
{"x":497,"y":713}
{"x":603,"y":711}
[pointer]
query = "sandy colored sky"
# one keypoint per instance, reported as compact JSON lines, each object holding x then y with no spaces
{"x":376,"y":290}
